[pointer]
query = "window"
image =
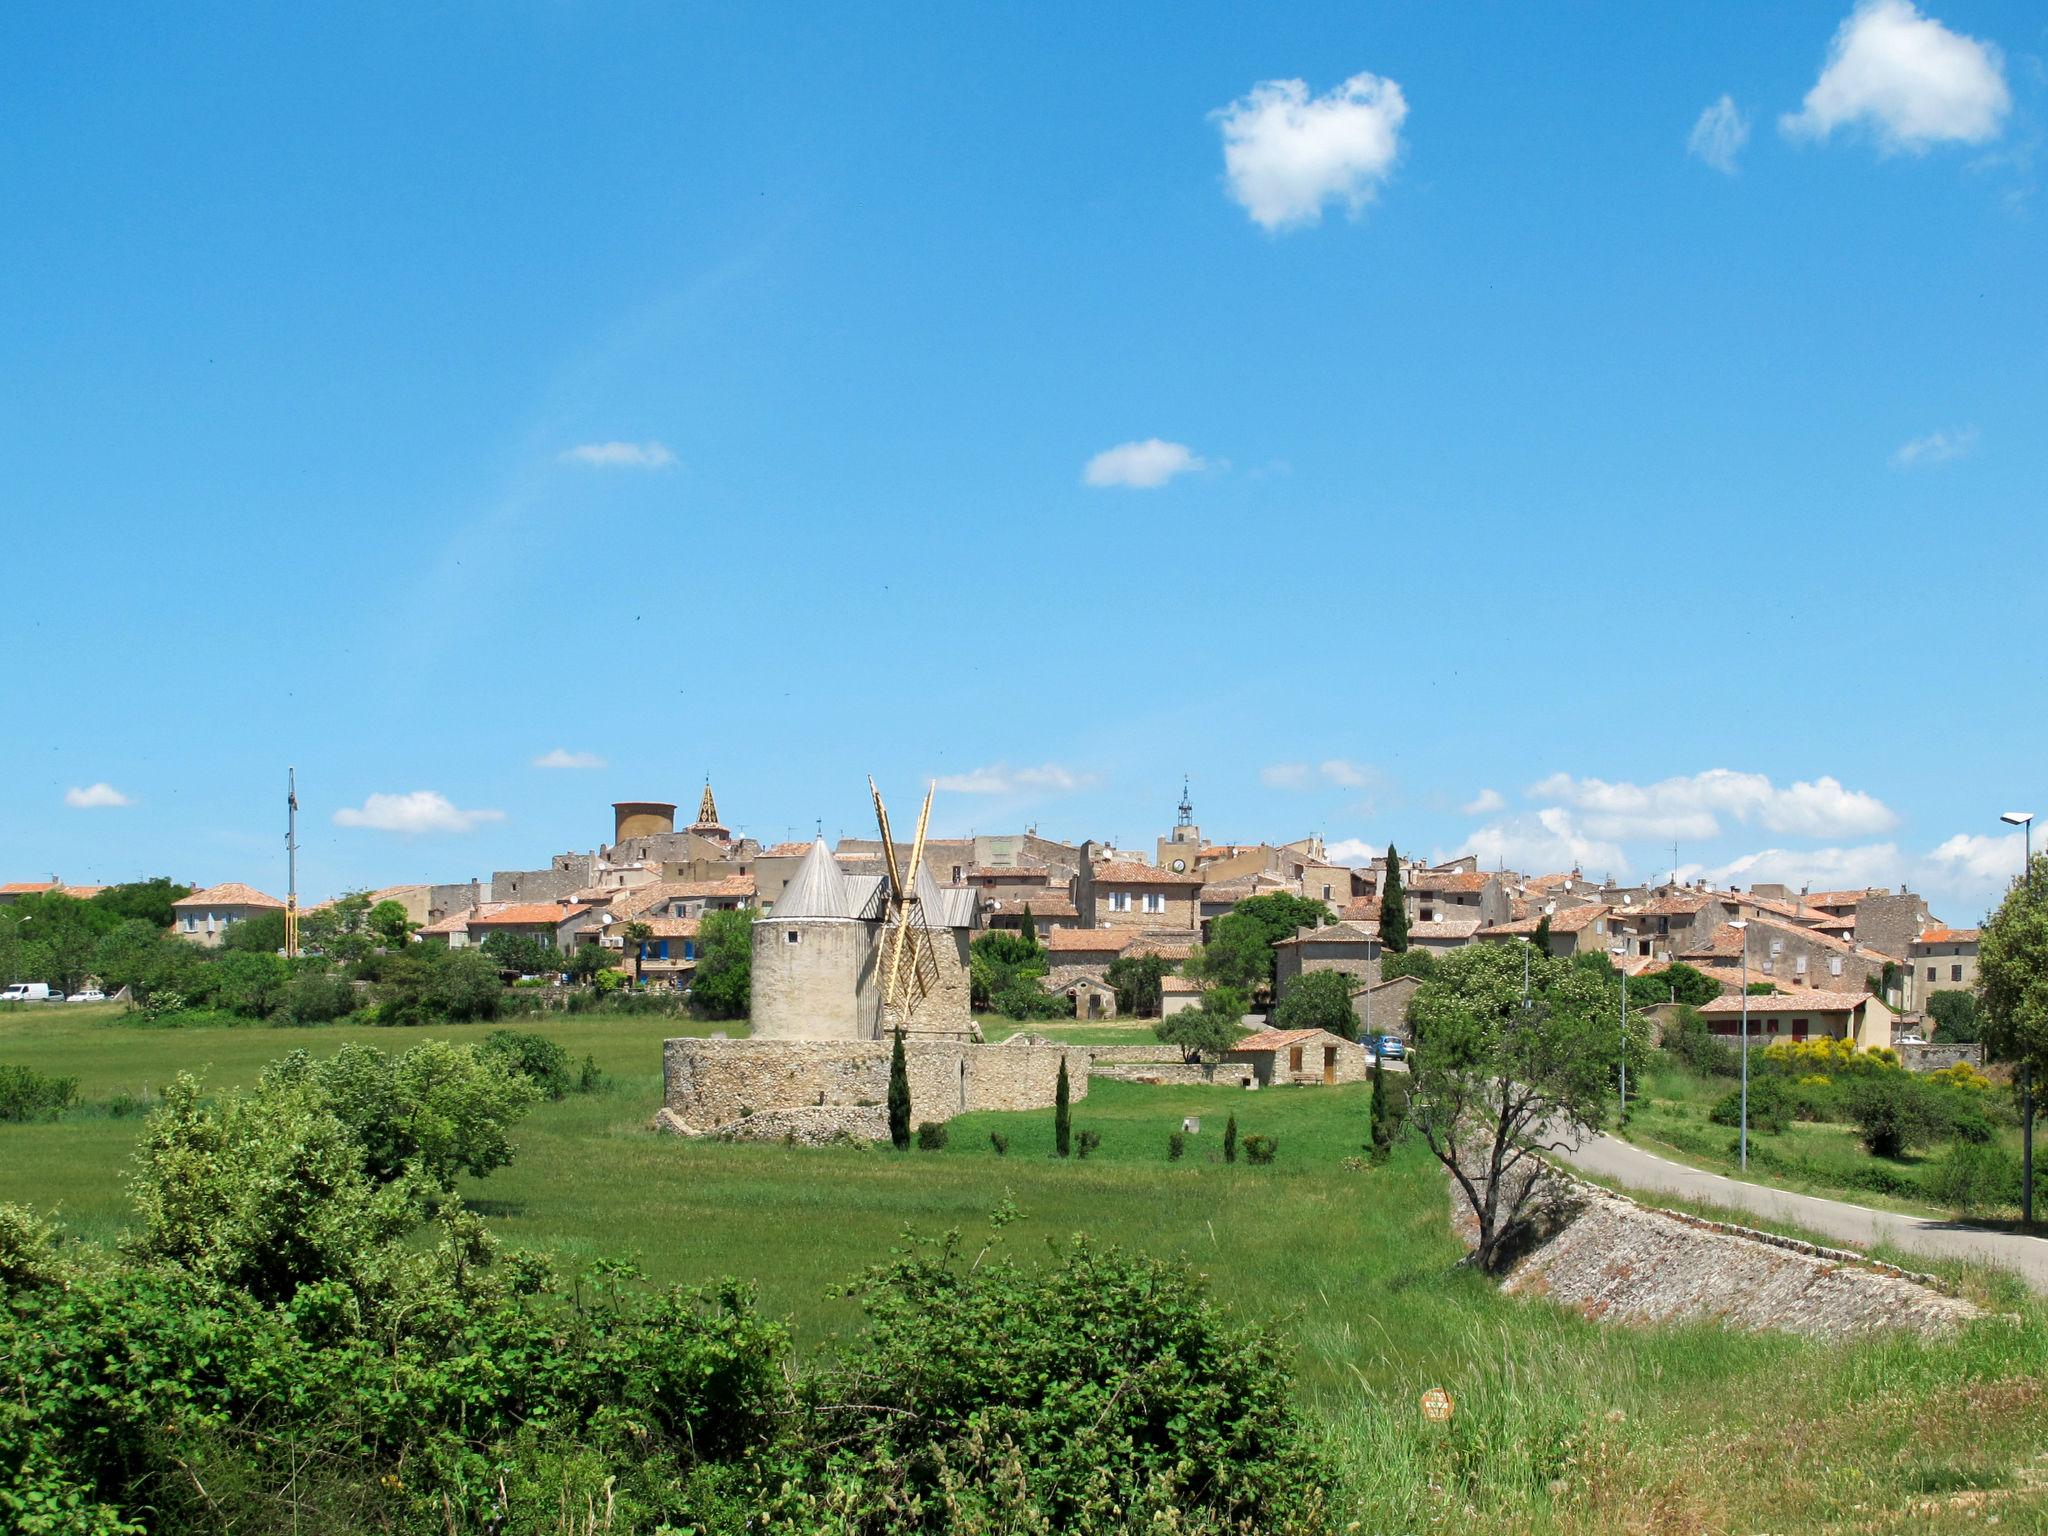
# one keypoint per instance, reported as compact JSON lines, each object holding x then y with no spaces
{"x":191,"y":923}
{"x":1642,"y":946}
{"x":1930,"y":973}
{"x":689,"y":949}
{"x":1955,"y":973}
{"x":1326,"y":893}
{"x":1799,"y":965}
{"x":1154,"y":902}
{"x":1119,"y":901}
{"x":1777,"y":946}
{"x":1834,"y":965}
{"x":790,"y":937}
{"x":1428,"y":914}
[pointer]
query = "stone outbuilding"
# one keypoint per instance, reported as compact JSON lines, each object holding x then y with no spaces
{"x":1301,"y":1056}
{"x":1348,"y":947}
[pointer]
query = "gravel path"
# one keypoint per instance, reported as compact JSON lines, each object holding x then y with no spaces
{"x":1631,"y":1166}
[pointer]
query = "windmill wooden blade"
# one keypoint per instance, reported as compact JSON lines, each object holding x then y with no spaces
{"x":888,"y":842}
{"x":917,"y":848}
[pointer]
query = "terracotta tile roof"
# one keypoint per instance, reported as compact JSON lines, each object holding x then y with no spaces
{"x":668,"y":927}
{"x":1090,"y":940}
{"x":1141,"y":874}
{"x":1042,"y":904}
{"x":1726,"y":940}
{"x":458,"y":922}
{"x":1164,"y":948}
{"x":1674,"y":904}
{"x":1335,"y":933}
{"x":1449,"y":880}
{"x":1281,"y":1039}
{"x":1788,"y":1000}
{"x":231,"y":894}
{"x":1841,"y":898}
{"x":785,"y":851}
{"x":1947,"y":936}
{"x":1366,"y":909}
{"x":1180,"y":985}
{"x":27,"y":887}
{"x":1552,"y":882}
{"x":1569,"y":920}
{"x":1446,"y":928}
{"x":1034,"y":872}
{"x":527,"y":915}
{"x":705,"y":890}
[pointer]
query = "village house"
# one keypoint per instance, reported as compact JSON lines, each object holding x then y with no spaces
{"x":558,"y":925}
{"x":1800,"y":1013}
{"x":1118,"y":894}
{"x":1345,"y":947}
{"x":1579,"y":930}
{"x":1082,"y":954}
{"x":14,"y":890}
{"x":205,"y":916}
{"x":1942,"y":960}
{"x":1454,"y":894}
{"x":452,"y":931}
{"x":1784,"y":952}
{"x":1298,"y":1056}
{"x":665,"y":959}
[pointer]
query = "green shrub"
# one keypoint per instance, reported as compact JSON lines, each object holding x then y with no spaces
{"x":1087,"y":1142}
{"x":1690,"y":1042}
{"x":26,"y":1094}
{"x":319,"y":997}
{"x":1000,"y":1143}
{"x":1892,"y":1110}
{"x":1261,"y":1149}
{"x":1230,"y":1138}
{"x":1770,"y":1105}
{"x":1973,"y":1177}
{"x":589,"y":1079}
{"x":1176,"y":1146}
{"x":538,"y":1059}
{"x":931,"y":1135}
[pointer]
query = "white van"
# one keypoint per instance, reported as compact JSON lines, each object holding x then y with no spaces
{"x":28,"y":992}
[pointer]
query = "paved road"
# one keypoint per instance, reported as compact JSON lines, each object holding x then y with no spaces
{"x":1630,"y":1165}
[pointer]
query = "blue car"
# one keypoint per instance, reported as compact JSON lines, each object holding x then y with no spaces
{"x":1389,"y":1046}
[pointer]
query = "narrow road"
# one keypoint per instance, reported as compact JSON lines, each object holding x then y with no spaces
{"x":1609,"y":1158}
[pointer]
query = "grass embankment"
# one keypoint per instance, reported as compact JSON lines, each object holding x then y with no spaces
{"x":1670,"y":1114}
{"x":1561,"y":1425}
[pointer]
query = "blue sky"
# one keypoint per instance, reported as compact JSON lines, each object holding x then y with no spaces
{"x":1451,"y":425}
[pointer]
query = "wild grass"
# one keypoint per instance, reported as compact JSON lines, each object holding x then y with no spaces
{"x":1561,"y":1425}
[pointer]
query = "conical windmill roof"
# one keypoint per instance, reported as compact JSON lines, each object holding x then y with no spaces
{"x":943,"y":907}
{"x":819,"y":888}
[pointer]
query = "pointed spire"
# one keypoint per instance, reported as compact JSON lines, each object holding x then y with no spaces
{"x":707,"y":808}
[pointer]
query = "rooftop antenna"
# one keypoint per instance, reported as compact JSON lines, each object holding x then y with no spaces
{"x":291,"y":864}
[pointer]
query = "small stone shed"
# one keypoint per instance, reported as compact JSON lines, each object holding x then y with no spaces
{"x":1178,"y":994}
{"x":1279,"y":1056}
{"x":1092,"y":997}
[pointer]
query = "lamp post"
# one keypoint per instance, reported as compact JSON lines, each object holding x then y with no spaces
{"x":1741,"y":926}
{"x":1620,"y":953}
{"x":1527,"y":945}
{"x":2024,"y":820}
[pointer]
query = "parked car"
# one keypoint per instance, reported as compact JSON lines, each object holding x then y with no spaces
{"x":29,"y":992}
{"x":1390,"y":1046}
{"x":1907,"y":1039}
{"x":89,"y":995}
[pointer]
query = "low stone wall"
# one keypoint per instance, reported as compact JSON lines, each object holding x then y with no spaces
{"x":708,"y":1085}
{"x":1612,"y":1258}
{"x":1932,"y":1058}
{"x":1230,"y":1074}
{"x":1121,"y":1053}
{"x":815,"y":1126}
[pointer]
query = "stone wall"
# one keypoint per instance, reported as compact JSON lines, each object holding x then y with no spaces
{"x":710,"y":1084}
{"x":1615,"y":1260}
{"x":1932,"y":1058}
{"x":948,"y":1007}
{"x":566,"y":875}
{"x":1176,"y":1073}
{"x":817,"y":987}
{"x":1890,"y":921}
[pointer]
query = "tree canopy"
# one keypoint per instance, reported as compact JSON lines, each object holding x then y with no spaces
{"x":1208,"y":1029}
{"x":2012,"y":974}
{"x":723,"y":987}
{"x":1318,"y":1000}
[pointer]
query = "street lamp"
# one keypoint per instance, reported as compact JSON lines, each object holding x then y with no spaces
{"x":2024,"y":820}
{"x":1620,"y":953}
{"x":1741,"y":926}
{"x":1527,"y":944}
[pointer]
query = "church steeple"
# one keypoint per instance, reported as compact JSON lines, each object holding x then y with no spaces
{"x":707,"y":823}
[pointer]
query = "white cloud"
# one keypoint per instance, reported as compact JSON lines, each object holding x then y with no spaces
{"x":1719,"y":135}
{"x":1287,"y":153}
{"x":1821,"y":869}
{"x":1142,"y":466}
{"x":1936,"y":448}
{"x":95,"y":797}
{"x":1690,"y":807}
{"x":1485,"y":803}
{"x":647,"y":455}
{"x":1962,"y":878}
{"x":423,"y":810}
{"x":562,"y":757}
{"x":1346,"y":774}
{"x":1549,"y":840}
{"x":1352,"y":850}
{"x":1047,"y":778}
{"x":1339,"y":771}
{"x":1907,"y":79}
{"x":1284,"y":775}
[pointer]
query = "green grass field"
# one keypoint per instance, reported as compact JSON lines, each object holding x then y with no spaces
{"x":1562,"y":1425}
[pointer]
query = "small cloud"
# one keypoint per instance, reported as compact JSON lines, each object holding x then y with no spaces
{"x":1936,"y":448}
{"x":95,"y":797}
{"x":423,"y":810}
{"x":647,"y":455}
{"x":1690,"y":806}
{"x":1142,"y":466}
{"x":1718,"y":136}
{"x":1907,"y":80}
{"x":1284,"y":775}
{"x":1352,"y":850}
{"x":1485,"y":803}
{"x":1549,"y":840}
{"x":1339,"y":771}
{"x":562,"y":757}
{"x":1346,"y":774}
{"x":1286,"y":153}
{"x":1047,"y":778}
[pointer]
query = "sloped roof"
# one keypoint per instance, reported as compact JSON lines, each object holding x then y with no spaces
{"x":1788,"y":1000}
{"x":231,"y":894}
{"x":1444,"y":928}
{"x":820,"y":888}
{"x":1088,"y":940}
{"x":1334,"y":933}
{"x":529,"y":914}
{"x":1133,"y":873}
{"x":1463,"y":880}
{"x":1568,"y":920}
{"x":1947,"y":936}
{"x":1281,"y":1039}
{"x":458,"y":922}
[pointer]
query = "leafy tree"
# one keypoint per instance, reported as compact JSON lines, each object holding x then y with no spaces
{"x":1540,"y":940}
{"x":1497,"y":1082}
{"x":723,"y":985}
{"x":1005,"y":975}
{"x":1892,"y":1110}
{"x":636,"y":933}
{"x":1062,"y":1114}
{"x":146,"y":901}
{"x":319,"y":995}
{"x":1282,"y":914}
{"x":1137,"y":981}
{"x":253,"y":985}
{"x":541,"y":1061}
{"x":1956,"y":1019}
{"x":341,"y":929}
{"x":522,"y":953}
{"x":262,"y":934}
{"x":1239,"y":955}
{"x":426,"y":984}
{"x":1393,"y":907}
{"x":1408,"y":962}
{"x":388,"y":921}
{"x":899,"y":1094}
{"x":1678,"y":983}
{"x":53,"y":937}
{"x":1208,"y":1029}
{"x":2012,"y":981}
{"x":1318,"y":1000}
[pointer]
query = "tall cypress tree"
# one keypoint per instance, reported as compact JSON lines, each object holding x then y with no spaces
{"x":1062,"y":1119}
{"x":1393,"y":907}
{"x":899,"y":1097}
{"x":1030,"y":928}
{"x":1382,"y":1113}
{"x":1541,"y":939}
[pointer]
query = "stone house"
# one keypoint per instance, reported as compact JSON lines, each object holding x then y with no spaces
{"x":453,"y":930}
{"x":1941,"y":960}
{"x":693,"y":898}
{"x":1382,"y":1009}
{"x":205,"y":916}
{"x":1580,"y":930}
{"x":1803,"y":1013}
{"x":1454,"y":894}
{"x":558,"y":925}
{"x":1073,"y":954}
{"x":1092,"y":998}
{"x":1345,"y":947}
{"x":1784,"y":952}
{"x":1177,"y":994}
{"x":1443,"y":933}
{"x":1141,"y":896}
{"x":666,"y":959}
{"x":1299,"y":1056}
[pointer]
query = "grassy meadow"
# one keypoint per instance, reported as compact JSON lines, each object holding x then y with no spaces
{"x":1561,"y":1425}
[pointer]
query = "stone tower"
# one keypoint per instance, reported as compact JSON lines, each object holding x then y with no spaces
{"x":707,"y":823}
{"x":814,"y":956}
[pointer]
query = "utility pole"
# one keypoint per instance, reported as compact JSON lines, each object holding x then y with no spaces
{"x":291,"y":864}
